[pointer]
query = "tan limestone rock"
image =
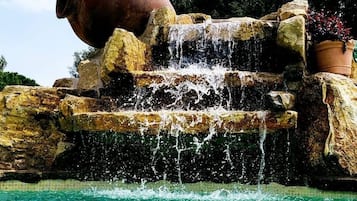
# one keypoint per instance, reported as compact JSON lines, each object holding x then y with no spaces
{"x":159,"y":19}
{"x":62,"y":147}
{"x":293,"y":8}
{"x":188,"y":122}
{"x":89,"y":71}
{"x":252,"y":28}
{"x":354,"y":71}
{"x":74,"y":104}
{"x":231,"y":78}
{"x":184,"y":19}
{"x":328,"y":124}
{"x":291,"y":35}
{"x":29,"y":136}
{"x":281,"y":100}
{"x":199,"y":17}
{"x":270,"y":16}
{"x":193,"y":18}
{"x":66,"y":83}
{"x":123,"y":53}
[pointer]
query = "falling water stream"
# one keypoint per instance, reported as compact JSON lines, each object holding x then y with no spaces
{"x":191,"y":92}
{"x":208,"y":40}
{"x":213,"y":75}
{"x":263,"y":135}
{"x":200,"y":57}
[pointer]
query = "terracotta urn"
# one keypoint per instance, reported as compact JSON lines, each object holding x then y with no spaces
{"x":334,"y":57}
{"x":94,"y":20}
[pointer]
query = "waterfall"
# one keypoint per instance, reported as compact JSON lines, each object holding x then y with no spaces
{"x":263,"y":135}
{"x":205,"y":44}
{"x":197,"y":118}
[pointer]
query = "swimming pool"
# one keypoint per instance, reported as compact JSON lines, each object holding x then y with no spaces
{"x":161,"y":191}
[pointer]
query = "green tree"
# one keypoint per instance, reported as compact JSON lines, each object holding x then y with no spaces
{"x":258,"y":8}
{"x":346,"y":8}
{"x":10,"y":78}
{"x":81,"y":56}
{"x":228,"y":8}
{"x":3,"y":63}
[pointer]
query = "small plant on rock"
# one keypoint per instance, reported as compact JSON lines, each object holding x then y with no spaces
{"x":326,"y":25}
{"x":332,"y":41}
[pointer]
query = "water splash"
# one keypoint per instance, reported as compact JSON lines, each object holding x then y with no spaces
{"x":192,"y":88}
{"x":196,"y":79}
{"x":164,"y":193}
{"x":154,"y":153}
{"x":204,"y":44}
{"x":178,"y":34}
{"x":263,"y":135}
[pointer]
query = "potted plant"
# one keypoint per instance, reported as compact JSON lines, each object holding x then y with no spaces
{"x":332,"y":42}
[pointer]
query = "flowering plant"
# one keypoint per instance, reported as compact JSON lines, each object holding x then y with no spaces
{"x":326,"y":25}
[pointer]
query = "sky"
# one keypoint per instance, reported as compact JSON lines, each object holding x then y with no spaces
{"x":34,"y":42}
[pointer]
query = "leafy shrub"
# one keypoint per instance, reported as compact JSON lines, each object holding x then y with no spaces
{"x":10,"y":78}
{"x":347,"y":9}
{"x":326,"y":25}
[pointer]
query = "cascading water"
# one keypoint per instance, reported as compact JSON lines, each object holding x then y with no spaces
{"x":210,"y":46}
{"x":263,"y":135}
{"x":204,"y":53}
{"x":206,"y":44}
{"x":197,"y":118}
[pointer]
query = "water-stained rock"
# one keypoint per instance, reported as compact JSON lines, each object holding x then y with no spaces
{"x":291,"y":35}
{"x":122,"y":53}
{"x":187,"y":122}
{"x":89,"y":75}
{"x":157,"y":28}
{"x":281,"y":100}
{"x":328,"y":125}
{"x":29,"y":138}
{"x":66,"y":82}
{"x":293,"y":8}
{"x":354,"y":71}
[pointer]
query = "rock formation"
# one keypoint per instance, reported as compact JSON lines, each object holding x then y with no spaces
{"x":30,"y":139}
{"x":328,"y":126}
{"x":139,"y":111}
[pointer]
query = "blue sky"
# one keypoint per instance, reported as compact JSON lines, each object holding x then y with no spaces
{"x":34,"y":42}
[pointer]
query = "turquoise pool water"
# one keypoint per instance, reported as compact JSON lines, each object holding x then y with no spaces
{"x":96,"y":191}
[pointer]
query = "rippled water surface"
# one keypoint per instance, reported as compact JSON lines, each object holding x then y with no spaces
{"x":93,"y":191}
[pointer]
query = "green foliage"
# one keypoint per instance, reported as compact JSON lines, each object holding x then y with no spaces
{"x":3,"y":63}
{"x":228,"y":8}
{"x":258,"y":8}
{"x":10,"y":78}
{"x":81,"y":56}
{"x":355,"y":52}
{"x":346,"y":8}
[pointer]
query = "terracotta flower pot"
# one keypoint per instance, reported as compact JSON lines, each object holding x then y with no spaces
{"x":94,"y":20}
{"x":330,"y":57}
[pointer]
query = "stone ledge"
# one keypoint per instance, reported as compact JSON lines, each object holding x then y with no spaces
{"x":189,"y":122}
{"x":327,"y":106}
{"x":230,"y":78}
